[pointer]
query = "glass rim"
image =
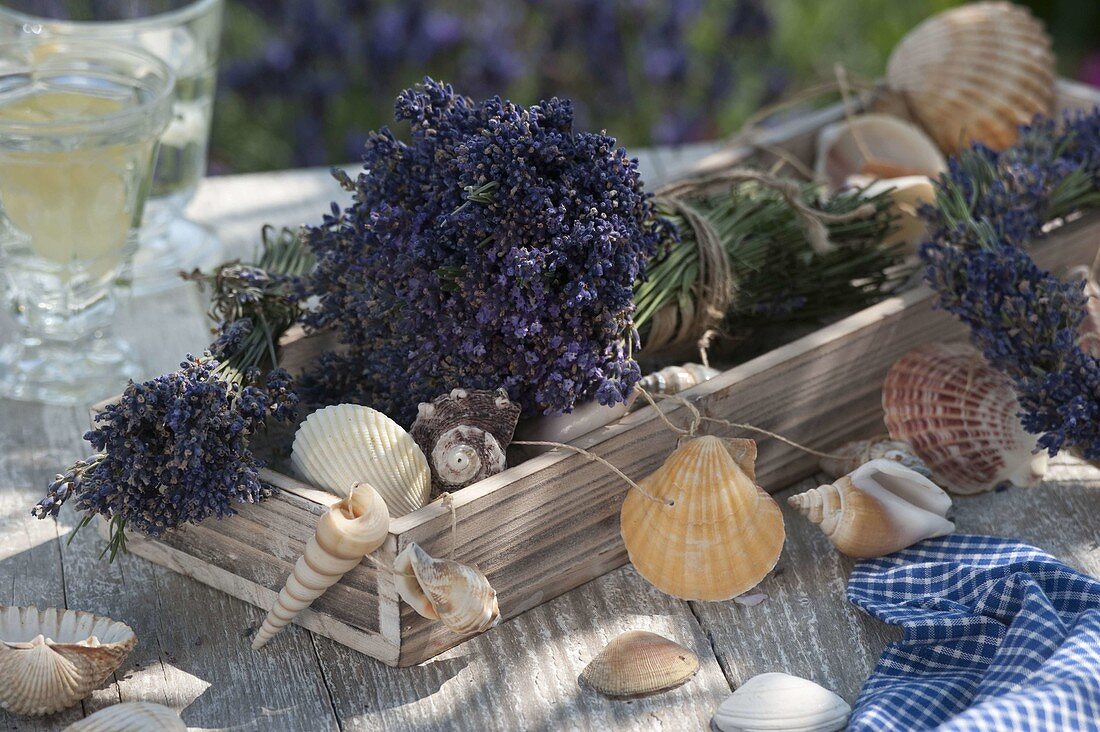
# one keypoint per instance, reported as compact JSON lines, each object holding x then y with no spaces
{"x":178,"y":16}
{"x":93,"y":51}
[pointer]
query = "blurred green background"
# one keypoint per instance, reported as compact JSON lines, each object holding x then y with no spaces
{"x":302,"y":82}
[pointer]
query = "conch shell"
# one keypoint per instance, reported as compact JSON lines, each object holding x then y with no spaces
{"x":779,"y":701}
{"x":638,"y":663}
{"x":975,"y":73}
{"x":700,"y":528}
{"x":131,"y":717}
{"x":1089,"y":336}
{"x":51,"y":659}
{"x":353,"y":528}
{"x":675,"y":379}
{"x":851,"y":455}
{"x":339,"y":446}
{"x":879,"y":508}
{"x":960,"y":416}
{"x":443,"y":589}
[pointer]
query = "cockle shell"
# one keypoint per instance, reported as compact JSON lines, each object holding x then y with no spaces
{"x":465,"y":435}
{"x":131,"y":717}
{"x":705,"y":531}
{"x":637,"y":663}
{"x":339,"y":446}
{"x":879,"y":508}
{"x":851,"y":455}
{"x":960,"y":416}
{"x":775,"y":702}
{"x":458,"y":595}
{"x":877,"y":147}
{"x":975,"y":73}
{"x":351,"y":529}
{"x":51,"y":659}
{"x":1089,"y":334}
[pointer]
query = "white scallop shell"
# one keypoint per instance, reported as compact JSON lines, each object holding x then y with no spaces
{"x":51,"y":659}
{"x":777,"y":701}
{"x":131,"y":717}
{"x":339,"y":446}
{"x":877,"y":146}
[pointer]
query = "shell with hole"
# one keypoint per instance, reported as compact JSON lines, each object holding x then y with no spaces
{"x":638,"y":663}
{"x":674,"y":379}
{"x":131,"y":717}
{"x":442,"y":589}
{"x":344,"y":444}
{"x":960,"y":416}
{"x":975,"y":73}
{"x":350,"y":530}
{"x":51,"y":659}
{"x":879,"y":508}
{"x":465,"y":435}
{"x":851,"y":455}
{"x":705,"y":531}
{"x":778,"y":701}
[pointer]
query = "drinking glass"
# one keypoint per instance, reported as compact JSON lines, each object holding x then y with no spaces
{"x":79,"y":125}
{"x":185,"y":34}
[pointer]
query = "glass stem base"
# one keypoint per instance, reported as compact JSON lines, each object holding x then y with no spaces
{"x":66,"y":374}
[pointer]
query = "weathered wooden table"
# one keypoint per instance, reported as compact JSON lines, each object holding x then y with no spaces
{"x":194,"y":655}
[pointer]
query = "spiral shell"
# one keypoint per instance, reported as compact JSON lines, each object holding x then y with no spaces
{"x":960,"y":416}
{"x":638,"y":663}
{"x":443,"y":589}
{"x":51,"y":659}
{"x":778,"y":701}
{"x":699,"y":528}
{"x":975,"y":73}
{"x":131,"y":717}
{"x":879,"y":508}
{"x":851,"y":455}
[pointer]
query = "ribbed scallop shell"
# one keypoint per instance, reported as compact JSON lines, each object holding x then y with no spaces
{"x":851,"y":455}
{"x":975,"y":72}
{"x":876,"y":146}
{"x":879,"y":508}
{"x":960,"y":416}
{"x":458,"y":595}
{"x":131,"y":717}
{"x":637,"y":663}
{"x":778,"y":701}
{"x":712,"y":533}
{"x":339,"y":446}
{"x":51,"y":659}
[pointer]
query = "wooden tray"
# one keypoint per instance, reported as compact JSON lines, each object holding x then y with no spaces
{"x":551,"y":523}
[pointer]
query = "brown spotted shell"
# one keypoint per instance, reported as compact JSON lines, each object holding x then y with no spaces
{"x":465,"y":435}
{"x":637,"y":663}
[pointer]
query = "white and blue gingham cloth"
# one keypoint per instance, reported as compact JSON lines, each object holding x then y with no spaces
{"x":997,"y":636}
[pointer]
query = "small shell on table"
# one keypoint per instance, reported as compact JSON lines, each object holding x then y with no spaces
{"x":442,"y":589}
{"x":339,"y":446}
{"x":960,"y":416}
{"x":351,"y":529}
{"x":975,"y":73}
{"x":778,"y":701}
{"x":637,"y":663}
{"x":705,"y":531}
{"x":879,"y":508}
{"x":51,"y":659}
{"x":131,"y":717}
{"x":465,"y":435}
{"x":878,"y":147}
{"x":851,"y":455}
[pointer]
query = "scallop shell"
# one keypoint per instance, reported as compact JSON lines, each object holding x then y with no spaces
{"x":1089,"y":336}
{"x":705,"y":531}
{"x":638,"y":663}
{"x":975,"y":73}
{"x":960,"y":416}
{"x":446,"y":590}
{"x":339,"y":446}
{"x":675,"y":379}
{"x":131,"y":717}
{"x":877,"y":146}
{"x":351,"y":529}
{"x":465,"y":435}
{"x":879,"y":508}
{"x":778,"y":701}
{"x":851,"y":455}
{"x":51,"y":659}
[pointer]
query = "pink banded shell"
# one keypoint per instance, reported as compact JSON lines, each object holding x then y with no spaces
{"x":960,"y":416}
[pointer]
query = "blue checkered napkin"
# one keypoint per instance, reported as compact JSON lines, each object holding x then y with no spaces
{"x":997,"y":636}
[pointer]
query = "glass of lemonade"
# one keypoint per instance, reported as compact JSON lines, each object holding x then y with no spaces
{"x":186,"y":35}
{"x":79,"y":127}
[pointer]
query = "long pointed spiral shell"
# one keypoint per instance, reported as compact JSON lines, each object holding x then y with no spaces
{"x":443,"y":589}
{"x":879,"y":508}
{"x":131,"y":717}
{"x":353,"y":528}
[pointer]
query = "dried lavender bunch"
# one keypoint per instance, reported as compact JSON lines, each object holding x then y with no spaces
{"x":1024,"y":319}
{"x":498,"y":248}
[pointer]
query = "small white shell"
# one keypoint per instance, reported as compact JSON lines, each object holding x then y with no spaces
{"x":458,"y":595}
{"x":131,"y":717}
{"x":877,"y":146}
{"x":339,"y":446}
{"x":851,"y":455}
{"x":51,"y":659}
{"x":675,"y":379}
{"x":775,"y":702}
